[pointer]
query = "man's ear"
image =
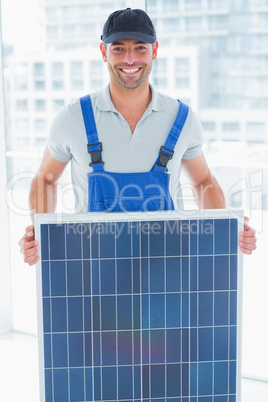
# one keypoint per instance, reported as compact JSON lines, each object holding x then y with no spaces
{"x":155,"y":48}
{"x":103,"y":51}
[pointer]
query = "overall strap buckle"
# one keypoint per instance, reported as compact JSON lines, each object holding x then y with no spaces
{"x":164,"y":157}
{"x":96,"y":154}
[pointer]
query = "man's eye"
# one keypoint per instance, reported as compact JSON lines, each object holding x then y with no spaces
{"x":117,"y":49}
{"x":141,"y":47}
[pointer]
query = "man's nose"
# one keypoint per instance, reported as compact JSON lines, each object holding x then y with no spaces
{"x":130,"y":57}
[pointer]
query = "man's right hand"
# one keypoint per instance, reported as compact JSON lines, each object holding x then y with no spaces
{"x":29,"y":246}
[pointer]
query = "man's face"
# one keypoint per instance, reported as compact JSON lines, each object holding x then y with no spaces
{"x":129,"y":61}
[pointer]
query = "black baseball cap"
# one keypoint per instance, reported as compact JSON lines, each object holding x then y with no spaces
{"x":128,"y":24}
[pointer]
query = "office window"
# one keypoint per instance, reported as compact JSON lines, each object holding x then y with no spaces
{"x":95,"y":66}
{"x":76,"y":68}
{"x":192,"y":4}
{"x":40,"y":143}
{"x":171,"y":5}
{"x":160,"y":66}
{"x":160,"y":82}
{"x":40,"y":105}
{"x":39,"y":85}
{"x":57,"y":85}
{"x":21,"y":82}
{"x":171,"y":25}
{"x":152,"y":6}
{"x":70,"y":12}
{"x":53,"y":13}
{"x":77,"y":84}
{"x":57,"y":104}
{"x":95,"y":83}
{"x":230,"y":126}
{"x":218,"y":22}
{"x":208,"y":125}
{"x":193,"y":23}
{"x":69,"y":31}
{"x":57,"y":68}
{"x":182,"y":82}
{"x":218,"y":3}
{"x":255,"y":127}
{"x":39,"y":69}
{"x":40,"y":125}
{"x":182,"y":64}
{"x":22,"y":105}
{"x":22,"y":125}
{"x":52,"y":32}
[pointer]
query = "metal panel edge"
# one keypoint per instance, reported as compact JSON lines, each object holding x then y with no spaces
{"x":37,"y":223}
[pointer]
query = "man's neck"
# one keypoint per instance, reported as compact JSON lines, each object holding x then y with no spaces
{"x":131,"y":99}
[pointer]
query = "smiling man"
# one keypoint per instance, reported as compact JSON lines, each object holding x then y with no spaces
{"x":127,"y":142}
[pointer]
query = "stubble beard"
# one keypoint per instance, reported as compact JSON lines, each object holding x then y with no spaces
{"x":129,"y":84}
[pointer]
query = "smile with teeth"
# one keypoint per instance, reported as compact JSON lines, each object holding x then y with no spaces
{"x":130,"y":70}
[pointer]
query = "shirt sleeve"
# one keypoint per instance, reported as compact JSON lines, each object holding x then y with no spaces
{"x":59,"y":140}
{"x":195,"y":138}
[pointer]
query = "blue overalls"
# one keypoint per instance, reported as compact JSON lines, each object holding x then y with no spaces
{"x":118,"y":192}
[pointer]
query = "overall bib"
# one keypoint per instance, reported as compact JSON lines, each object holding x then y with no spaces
{"x":124,"y":192}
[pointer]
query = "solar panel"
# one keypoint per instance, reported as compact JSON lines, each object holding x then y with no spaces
{"x":139,"y":307}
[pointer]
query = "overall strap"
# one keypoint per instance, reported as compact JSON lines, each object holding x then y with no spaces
{"x":94,"y":147}
{"x":166,"y":152}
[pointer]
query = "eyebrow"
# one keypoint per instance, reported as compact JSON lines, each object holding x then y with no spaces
{"x":122,"y":43}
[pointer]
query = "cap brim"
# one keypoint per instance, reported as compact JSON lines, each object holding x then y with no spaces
{"x":146,"y":38}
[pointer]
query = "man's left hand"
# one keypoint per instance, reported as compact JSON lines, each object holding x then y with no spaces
{"x":247,"y":238}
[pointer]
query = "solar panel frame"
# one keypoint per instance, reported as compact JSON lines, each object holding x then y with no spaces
{"x":109,"y":218}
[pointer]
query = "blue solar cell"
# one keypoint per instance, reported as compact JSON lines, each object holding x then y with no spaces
{"x":205,"y":373}
{"x":221,"y":343}
{"x":124,"y":276}
{"x":193,"y":236}
{"x":59,"y":350}
{"x":221,"y":238}
{"x":173,"y":345}
{"x":221,"y":378}
{"x":173,"y":274}
{"x":205,"y":273}
{"x":60,"y":385}
{"x":46,"y":315}
{"x":108,"y":313}
{"x":221,"y":308}
{"x":157,"y":275}
{"x":156,"y":238}
{"x":77,"y":379}
{"x":124,"y":312}
{"x":221,"y":272}
{"x":73,"y":242}
{"x":57,"y":242}
{"x":45,"y":242}
{"x":58,"y":278}
{"x":157,"y":346}
{"x":75,"y":314}
{"x":205,"y":308}
{"x":142,"y":310}
{"x":205,"y":344}
{"x":76,"y":349}
{"x":47,"y":351}
{"x":59,"y":314}
{"x":125,"y":384}
{"x":45,"y":279}
{"x":124,"y":348}
{"x":74,"y":278}
{"x":205,"y":237}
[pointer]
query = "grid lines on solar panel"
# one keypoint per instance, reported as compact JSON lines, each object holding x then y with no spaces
{"x":140,"y":311}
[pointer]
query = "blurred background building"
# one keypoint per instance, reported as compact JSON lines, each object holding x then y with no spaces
{"x":213,"y":55}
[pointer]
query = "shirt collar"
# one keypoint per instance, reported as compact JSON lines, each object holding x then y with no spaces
{"x":105,"y":103}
